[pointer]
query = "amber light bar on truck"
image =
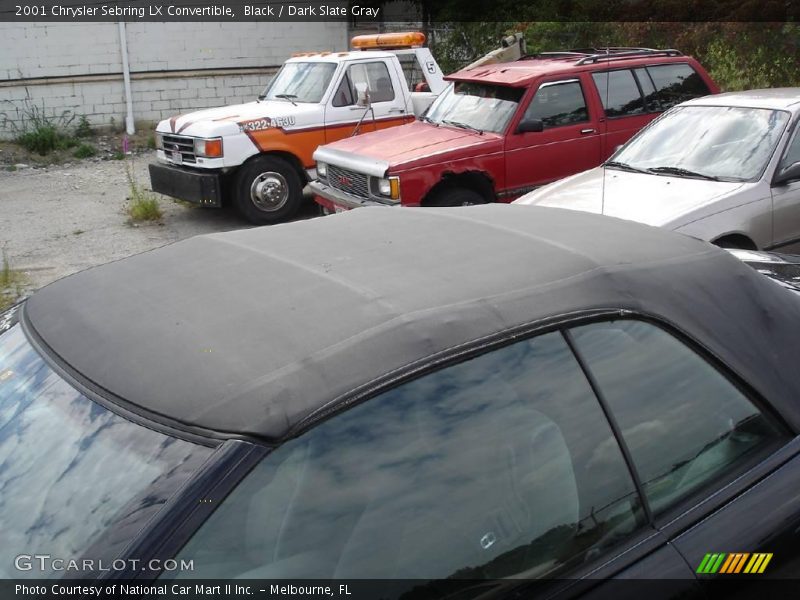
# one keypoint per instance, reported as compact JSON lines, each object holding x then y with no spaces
{"x":406,"y":39}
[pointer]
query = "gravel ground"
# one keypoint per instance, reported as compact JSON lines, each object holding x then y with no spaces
{"x":58,"y":220}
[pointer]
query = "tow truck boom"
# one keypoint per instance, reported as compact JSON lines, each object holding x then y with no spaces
{"x":512,"y":48}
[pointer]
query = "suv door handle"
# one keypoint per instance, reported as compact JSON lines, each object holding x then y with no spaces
{"x":585,"y":131}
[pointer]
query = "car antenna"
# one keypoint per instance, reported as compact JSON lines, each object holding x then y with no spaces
{"x":605,"y":137}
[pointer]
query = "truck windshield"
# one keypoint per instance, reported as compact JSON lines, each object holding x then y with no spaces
{"x":300,"y":82}
{"x":77,"y":481}
{"x":476,"y":106}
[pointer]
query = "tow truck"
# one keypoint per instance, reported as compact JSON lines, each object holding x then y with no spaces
{"x":259,"y":155}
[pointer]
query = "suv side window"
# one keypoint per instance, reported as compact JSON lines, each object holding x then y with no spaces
{"x":558,"y":104}
{"x":498,"y":465}
{"x":674,"y":83}
{"x":374,"y":75}
{"x":619,"y":93}
{"x":683,"y":422}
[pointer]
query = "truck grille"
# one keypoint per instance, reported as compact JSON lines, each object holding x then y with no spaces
{"x":181,"y":143}
{"x":350,"y":182}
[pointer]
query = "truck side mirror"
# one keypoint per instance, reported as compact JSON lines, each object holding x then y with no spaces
{"x":790,"y":173}
{"x":363,"y":97}
{"x":527,"y":125}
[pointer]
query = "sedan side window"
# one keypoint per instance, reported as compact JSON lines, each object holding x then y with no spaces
{"x":792,"y":152}
{"x":558,"y":104}
{"x":500,"y":465}
{"x":683,"y":422}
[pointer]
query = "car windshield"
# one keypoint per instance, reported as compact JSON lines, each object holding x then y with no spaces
{"x":300,"y":82}
{"x":76,"y":480}
{"x":475,"y":106}
{"x":714,"y":142}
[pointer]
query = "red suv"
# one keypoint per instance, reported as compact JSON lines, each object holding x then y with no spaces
{"x":502,"y":130}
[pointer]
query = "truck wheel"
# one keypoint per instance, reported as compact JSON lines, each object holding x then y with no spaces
{"x":268,"y":190}
{"x":456,"y":196}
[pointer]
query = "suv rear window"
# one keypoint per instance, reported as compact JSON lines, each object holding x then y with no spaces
{"x":647,"y":89}
{"x":674,"y":83}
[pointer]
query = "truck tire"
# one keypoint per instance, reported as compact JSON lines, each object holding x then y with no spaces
{"x":456,"y":196}
{"x":268,"y":189}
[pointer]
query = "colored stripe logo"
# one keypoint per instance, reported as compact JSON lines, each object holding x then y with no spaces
{"x":734,"y":563}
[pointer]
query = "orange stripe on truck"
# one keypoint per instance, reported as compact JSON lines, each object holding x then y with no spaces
{"x":303,"y":142}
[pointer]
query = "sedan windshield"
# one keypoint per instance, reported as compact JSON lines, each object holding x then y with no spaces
{"x":300,"y":82}
{"x":76,"y":480}
{"x":708,"y":142}
{"x":475,"y":106}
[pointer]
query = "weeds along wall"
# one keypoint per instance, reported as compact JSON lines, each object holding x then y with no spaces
{"x":175,"y":67}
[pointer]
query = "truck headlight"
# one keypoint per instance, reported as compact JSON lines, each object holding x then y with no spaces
{"x":210,"y":148}
{"x":159,"y":141}
{"x":388,"y":187}
{"x":322,"y":170}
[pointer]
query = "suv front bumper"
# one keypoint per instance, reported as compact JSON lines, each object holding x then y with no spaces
{"x":193,"y":186}
{"x":337,"y":201}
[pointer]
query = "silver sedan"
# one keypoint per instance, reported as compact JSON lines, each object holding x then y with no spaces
{"x":722,"y":168}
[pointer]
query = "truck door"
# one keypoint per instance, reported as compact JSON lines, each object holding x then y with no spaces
{"x":388,"y":103}
{"x":568,"y":143}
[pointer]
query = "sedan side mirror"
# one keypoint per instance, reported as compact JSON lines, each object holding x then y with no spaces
{"x":790,"y":173}
{"x":527,"y":125}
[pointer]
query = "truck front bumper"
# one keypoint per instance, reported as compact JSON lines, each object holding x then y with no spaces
{"x":333,"y":200}
{"x":193,"y":186}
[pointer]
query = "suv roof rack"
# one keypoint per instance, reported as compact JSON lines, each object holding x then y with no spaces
{"x":587,"y":56}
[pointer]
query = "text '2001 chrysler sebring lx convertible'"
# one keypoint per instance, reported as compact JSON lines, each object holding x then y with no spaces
{"x":574,"y":397}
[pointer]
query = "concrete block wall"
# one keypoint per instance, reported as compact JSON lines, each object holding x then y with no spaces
{"x":175,"y":67}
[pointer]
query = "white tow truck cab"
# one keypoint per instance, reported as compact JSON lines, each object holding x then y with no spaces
{"x":259,"y":154}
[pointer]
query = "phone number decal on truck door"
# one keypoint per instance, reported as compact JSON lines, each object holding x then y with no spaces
{"x":267,"y":123}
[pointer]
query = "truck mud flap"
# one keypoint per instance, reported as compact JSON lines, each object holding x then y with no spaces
{"x":204,"y":189}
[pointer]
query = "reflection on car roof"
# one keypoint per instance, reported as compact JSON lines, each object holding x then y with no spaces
{"x":259,"y":332}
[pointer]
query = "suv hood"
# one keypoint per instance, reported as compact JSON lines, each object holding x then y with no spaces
{"x":413,"y":143}
{"x":656,"y":200}
{"x":225,"y":120}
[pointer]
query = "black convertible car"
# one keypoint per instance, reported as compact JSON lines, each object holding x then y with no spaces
{"x":467,"y":400}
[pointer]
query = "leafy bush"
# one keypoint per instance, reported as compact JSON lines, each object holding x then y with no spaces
{"x":144,"y":209}
{"x":143,"y":205}
{"x":85,"y":151}
{"x":83,"y":130}
{"x":739,"y":55}
{"x":35,"y":130}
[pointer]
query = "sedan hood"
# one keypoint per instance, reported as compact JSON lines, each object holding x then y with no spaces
{"x":412,"y":143}
{"x":225,"y":120}
{"x":651,"y":199}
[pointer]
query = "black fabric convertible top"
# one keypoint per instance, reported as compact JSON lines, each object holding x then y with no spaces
{"x":253,"y":331}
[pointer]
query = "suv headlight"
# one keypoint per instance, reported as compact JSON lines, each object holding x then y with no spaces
{"x":388,"y":187}
{"x":322,"y":170}
{"x":210,"y":148}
